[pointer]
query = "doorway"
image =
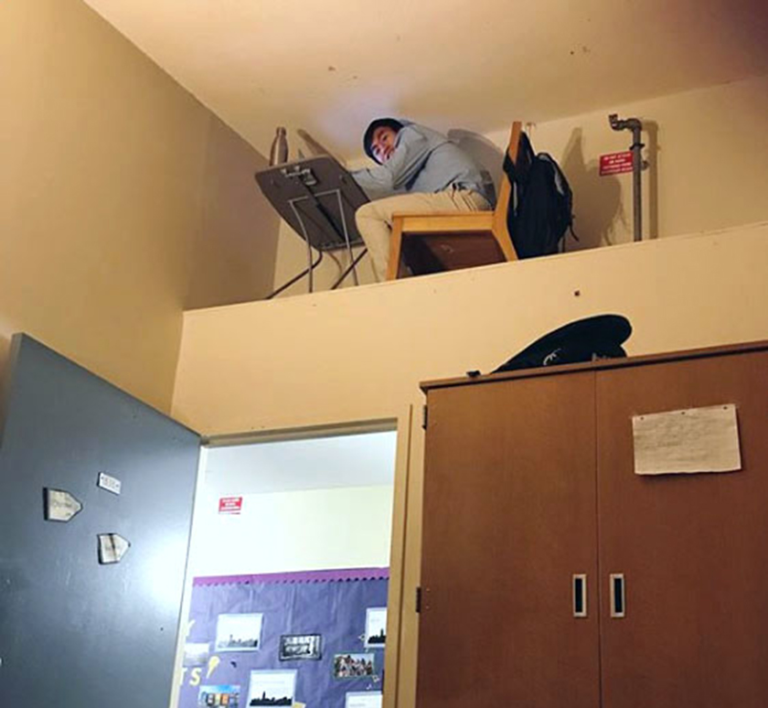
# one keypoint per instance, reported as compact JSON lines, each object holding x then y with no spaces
{"x":289,"y":569}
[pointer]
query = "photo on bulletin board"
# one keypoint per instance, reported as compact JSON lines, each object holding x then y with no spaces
{"x":272,"y":688}
{"x":196,"y":654}
{"x":360,"y":699}
{"x":300,"y":646}
{"x":353,"y":665}
{"x":240,"y":632}
{"x":219,"y":696}
{"x":376,"y":627}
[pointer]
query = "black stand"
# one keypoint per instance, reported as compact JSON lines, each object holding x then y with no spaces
{"x":318,"y":198}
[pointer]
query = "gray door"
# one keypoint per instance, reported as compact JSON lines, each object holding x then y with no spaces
{"x":74,"y":632}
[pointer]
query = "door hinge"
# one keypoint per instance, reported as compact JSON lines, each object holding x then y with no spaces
{"x":424,"y":416}
{"x":418,"y":599}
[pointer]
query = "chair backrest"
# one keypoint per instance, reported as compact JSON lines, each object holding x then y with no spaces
{"x":506,"y":194}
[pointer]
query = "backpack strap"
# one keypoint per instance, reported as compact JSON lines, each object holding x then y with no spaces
{"x":518,"y":171}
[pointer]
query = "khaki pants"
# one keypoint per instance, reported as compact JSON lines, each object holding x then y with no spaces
{"x":374,"y":220}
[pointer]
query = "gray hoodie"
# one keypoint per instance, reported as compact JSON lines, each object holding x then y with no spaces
{"x":423,"y":161}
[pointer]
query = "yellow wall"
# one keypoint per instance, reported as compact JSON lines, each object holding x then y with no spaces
{"x":334,"y":516}
{"x":236,"y":248}
{"x":706,"y":163}
{"x":110,"y":179}
{"x":707,"y":169}
{"x":359,"y":354}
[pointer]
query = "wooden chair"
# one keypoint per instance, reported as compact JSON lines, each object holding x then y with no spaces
{"x":432,"y":243}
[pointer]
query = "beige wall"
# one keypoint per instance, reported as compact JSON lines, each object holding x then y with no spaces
{"x":359,"y":354}
{"x":318,"y":539}
{"x":236,"y":248}
{"x":707,"y":169}
{"x":111,"y":177}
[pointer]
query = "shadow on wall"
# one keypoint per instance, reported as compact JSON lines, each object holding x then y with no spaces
{"x":483,"y":151}
{"x":652,"y":150}
{"x":597,"y":204}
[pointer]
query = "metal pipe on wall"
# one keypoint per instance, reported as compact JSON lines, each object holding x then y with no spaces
{"x":636,"y":127}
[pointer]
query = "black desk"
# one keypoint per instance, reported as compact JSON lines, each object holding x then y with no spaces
{"x":318,"y":198}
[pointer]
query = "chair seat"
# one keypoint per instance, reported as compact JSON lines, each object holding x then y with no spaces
{"x":446,"y":222}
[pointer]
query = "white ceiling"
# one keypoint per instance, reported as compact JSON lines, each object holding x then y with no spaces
{"x":318,"y":463}
{"x":330,"y":66}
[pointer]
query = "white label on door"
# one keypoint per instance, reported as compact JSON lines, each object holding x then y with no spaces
{"x":111,"y":484}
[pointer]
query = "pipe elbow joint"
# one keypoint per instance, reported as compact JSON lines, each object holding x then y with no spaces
{"x":625,"y":123}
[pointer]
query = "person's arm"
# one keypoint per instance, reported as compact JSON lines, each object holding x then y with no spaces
{"x":411,"y":152}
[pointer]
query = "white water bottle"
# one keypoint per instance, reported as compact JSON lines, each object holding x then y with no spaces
{"x":278,"y":153}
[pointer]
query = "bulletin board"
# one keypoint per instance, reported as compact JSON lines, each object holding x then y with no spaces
{"x":313,"y":639}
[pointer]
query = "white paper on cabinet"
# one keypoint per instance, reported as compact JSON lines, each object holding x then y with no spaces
{"x":687,"y":441}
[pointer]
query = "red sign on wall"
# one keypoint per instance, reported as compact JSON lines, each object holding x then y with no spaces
{"x":230,"y":505}
{"x":615,"y":163}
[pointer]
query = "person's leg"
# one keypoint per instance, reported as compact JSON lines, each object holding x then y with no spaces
{"x":374,"y":220}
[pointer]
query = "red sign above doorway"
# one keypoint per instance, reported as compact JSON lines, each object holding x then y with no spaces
{"x":230,"y":505}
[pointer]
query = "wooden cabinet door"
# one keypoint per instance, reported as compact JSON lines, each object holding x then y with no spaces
{"x":509,"y":518}
{"x":692,"y":547}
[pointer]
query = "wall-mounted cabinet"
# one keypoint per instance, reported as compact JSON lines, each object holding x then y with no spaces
{"x":554,"y":575}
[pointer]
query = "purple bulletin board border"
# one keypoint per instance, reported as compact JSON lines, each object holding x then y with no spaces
{"x":308,"y":576}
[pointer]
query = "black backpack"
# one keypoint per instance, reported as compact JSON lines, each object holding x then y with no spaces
{"x":542,"y":212}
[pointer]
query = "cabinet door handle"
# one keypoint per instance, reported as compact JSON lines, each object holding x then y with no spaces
{"x":618,"y":596}
{"x":580,"y":595}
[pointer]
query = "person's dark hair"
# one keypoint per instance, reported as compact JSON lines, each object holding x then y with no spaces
{"x":396,"y":125}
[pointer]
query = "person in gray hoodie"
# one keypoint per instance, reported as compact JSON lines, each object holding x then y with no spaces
{"x":419,"y":171}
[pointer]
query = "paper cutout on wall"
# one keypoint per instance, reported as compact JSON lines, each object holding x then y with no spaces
{"x":196,"y":653}
{"x":239,"y":632}
{"x":226,"y":695}
{"x":300,"y":647}
{"x":369,"y":699}
{"x":60,"y":505}
{"x":112,"y":548}
{"x":272,"y":688}
{"x":351,"y":665}
{"x":375,"y":627}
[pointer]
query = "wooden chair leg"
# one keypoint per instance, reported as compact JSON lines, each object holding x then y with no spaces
{"x":505,"y":244}
{"x":395,"y":249}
